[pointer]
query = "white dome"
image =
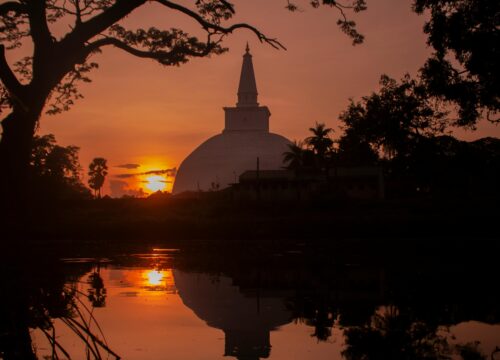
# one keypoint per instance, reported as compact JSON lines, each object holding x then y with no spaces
{"x":224,"y":157}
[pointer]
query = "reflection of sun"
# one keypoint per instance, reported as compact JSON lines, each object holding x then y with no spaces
{"x":156,"y":183}
{"x":156,"y":281}
{"x":154,"y":277}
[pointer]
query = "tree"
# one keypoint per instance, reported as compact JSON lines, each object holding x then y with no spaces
{"x":298,"y":157}
{"x":98,"y":169}
{"x":354,"y":152}
{"x":55,"y":169}
{"x":463,"y":68}
{"x":408,"y":129}
{"x":293,"y":159}
{"x":393,"y":120}
{"x":48,"y":79}
{"x":321,"y":145}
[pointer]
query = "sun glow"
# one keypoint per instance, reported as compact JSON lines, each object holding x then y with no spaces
{"x":155,"y":183}
{"x":155,"y":277}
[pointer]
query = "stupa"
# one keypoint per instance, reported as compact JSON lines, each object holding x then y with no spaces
{"x":220,"y":160}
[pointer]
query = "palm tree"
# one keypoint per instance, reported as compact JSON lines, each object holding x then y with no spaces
{"x":322,"y":147}
{"x":320,"y":142}
{"x":98,"y":169}
{"x":294,"y":157}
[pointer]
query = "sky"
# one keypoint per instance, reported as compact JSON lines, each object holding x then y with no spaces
{"x":142,"y":116}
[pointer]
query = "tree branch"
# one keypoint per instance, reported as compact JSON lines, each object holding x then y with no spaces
{"x":39,"y":28}
{"x":99,"y":23}
{"x":16,"y":7}
{"x":78,"y":13}
{"x":9,"y":80}
{"x":159,"y":55}
{"x":221,"y":29}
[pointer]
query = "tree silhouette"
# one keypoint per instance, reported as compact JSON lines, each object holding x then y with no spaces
{"x":49,"y":78}
{"x":322,"y":145}
{"x":394,"y":119}
{"x":294,"y":157}
{"x":98,"y":169}
{"x":395,"y":335}
{"x":299,"y":157}
{"x":97,"y":292}
{"x":353,"y":151}
{"x":320,"y":141}
{"x":463,"y":68}
{"x":55,"y":169}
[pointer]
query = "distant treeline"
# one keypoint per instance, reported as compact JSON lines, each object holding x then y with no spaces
{"x":403,"y":130}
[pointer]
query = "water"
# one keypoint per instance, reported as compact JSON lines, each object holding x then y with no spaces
{"x":166,"y":304}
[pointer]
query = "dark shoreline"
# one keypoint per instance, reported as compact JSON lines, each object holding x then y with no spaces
{"x":345,"y":226}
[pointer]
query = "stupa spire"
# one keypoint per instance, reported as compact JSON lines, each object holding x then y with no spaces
{"x":247,"y":90}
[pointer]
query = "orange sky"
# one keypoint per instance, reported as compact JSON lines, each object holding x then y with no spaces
{"x":137,"y":111}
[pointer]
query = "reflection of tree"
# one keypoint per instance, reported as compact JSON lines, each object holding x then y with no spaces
{"x":322,"y":293}
{"x":96,"y":291}
{"x":393,"y":334}
{"x":30,"y":298}
{"x":34,"y":293}
{"x":315,"y":312}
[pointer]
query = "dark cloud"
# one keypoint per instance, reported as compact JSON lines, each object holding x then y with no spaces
{"x":167,"y":172}
{"x":125,"y":176}
{"x":128,"y":166}
{"x":161,"y":181}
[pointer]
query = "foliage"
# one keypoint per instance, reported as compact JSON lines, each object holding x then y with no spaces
{"x":407,"y":130}
{"x":98,"y":169}
{"x":394,"y":120}
{"x":299,"y":157}
{"x":354,"y":152}
{"x":320,"y":142}
{"x":50,"y":159}
{"x":56,"y":169}
{"x":463,"y":68}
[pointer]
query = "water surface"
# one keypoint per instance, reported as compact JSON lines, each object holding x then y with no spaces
{"x":164,"y":304}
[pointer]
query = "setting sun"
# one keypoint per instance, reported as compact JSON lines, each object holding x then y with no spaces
{"x":155,"y":183}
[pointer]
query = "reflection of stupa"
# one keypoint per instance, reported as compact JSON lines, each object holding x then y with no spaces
{"x":246,"y":321}
{"x":246,"y":137}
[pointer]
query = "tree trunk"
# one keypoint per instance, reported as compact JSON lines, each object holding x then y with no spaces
{"x":15,"y":152}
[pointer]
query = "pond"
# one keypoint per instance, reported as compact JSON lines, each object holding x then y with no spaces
{"x":166,"y":303}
